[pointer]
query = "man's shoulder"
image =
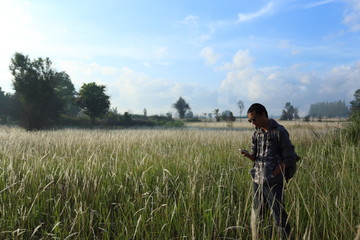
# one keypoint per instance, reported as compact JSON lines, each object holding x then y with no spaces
{"x":277,"y":128}
{"x":275,"y":125}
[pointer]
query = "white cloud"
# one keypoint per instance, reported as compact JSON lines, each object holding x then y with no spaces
{"x":320,"y":3}
{"x":136,"y":91}
{"x":276,"y":86}
{"x":241,"y":60}
{"x":80,"y":72}
{"x":268,"y":9}
{"x":352,"y":16}
{"x":210,"y":56}
{"x":342,"y":81}
{"x":128,"y":89}
{"x":242,"y":79}
{"x":198,"y":32}
{"x":305,"y":80}
{"x":131,"y":90}
{"x":191,"y":20}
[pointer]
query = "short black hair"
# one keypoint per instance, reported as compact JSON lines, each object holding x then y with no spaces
{"x":258,"y":109}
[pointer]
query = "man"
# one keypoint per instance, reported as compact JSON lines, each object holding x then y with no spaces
{"x":271,"y":152}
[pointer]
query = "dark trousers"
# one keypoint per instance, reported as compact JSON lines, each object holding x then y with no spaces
{"x":270,"y":196}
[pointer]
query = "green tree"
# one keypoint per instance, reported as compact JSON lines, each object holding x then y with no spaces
{"x":329,"y":109}
{"x":3,"y":105}
{"x":240,"y":104}
{"x":145,"y":112}
{"x":189,"y":114}
{"x":289,"y":112}
{"x":217,"y":114}
{"x":169,"y":115}
{"x":181,"y":106}
{"x":34,"y":82}
{"x":93,"y":100}
{"x":355,"y":104}
{"x":127,"y":118}
{"x":228,"y":116}
{"x":11,"y":108}
{"x":66,"y":91}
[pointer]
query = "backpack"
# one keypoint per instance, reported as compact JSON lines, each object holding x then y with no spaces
{"x":290,"y":170}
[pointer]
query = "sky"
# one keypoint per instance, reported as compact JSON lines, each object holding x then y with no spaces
{"x":211,"y":53}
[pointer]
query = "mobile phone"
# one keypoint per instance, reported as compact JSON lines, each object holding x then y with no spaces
{"x":243,"y":151}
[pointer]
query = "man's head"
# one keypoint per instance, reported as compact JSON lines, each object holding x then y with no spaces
{"x":258,"y":115}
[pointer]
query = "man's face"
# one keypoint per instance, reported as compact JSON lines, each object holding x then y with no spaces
{"x":258,"y":120}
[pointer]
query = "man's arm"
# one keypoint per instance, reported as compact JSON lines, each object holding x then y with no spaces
{"x":286,"y":150}
{"x":248,"y":155}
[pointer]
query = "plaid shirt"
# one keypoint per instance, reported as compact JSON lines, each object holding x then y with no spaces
{"x":270,"y":149}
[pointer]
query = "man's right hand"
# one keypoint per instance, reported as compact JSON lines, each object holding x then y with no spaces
{"x":245,"y":153}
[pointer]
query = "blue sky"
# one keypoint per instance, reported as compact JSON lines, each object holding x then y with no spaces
{"x":211,"y":53}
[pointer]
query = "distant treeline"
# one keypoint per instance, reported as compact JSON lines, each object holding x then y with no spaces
{"x":329,"y":109}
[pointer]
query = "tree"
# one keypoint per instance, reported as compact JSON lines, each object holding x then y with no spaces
{"x":181,"y":106}
{"x":329,"y":109}
{"x":10,"y":108}
{"x":355,"y":104}
{"x":34,"y":83}
{"x":289,"y":112}
{"x":93,"y":100}
{"x":169,"y":115}
{"x":112,"y":117}
{"x":228,"y":116}
{"x":241,"y":107}
{"x":127,"y":118}
{"x":189,"y":114}
{"x":3,"y":105}
{"x":217,"y":114}
{"x":66,"y":91}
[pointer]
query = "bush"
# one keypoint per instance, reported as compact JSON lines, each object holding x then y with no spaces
{"x":68,"y":121}
{"x":352,"y":130}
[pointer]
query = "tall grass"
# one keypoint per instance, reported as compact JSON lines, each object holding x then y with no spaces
{"x":165,"y":184}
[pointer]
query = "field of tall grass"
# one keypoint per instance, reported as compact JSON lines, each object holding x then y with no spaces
{"x":168,"y":184}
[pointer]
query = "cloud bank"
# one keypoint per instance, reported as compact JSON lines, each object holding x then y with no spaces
{"x":274,"y":86}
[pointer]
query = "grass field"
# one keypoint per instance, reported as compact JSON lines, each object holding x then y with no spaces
{"x":168,"y":183}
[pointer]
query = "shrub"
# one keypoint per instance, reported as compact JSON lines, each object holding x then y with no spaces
{"x":352,"y":129}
